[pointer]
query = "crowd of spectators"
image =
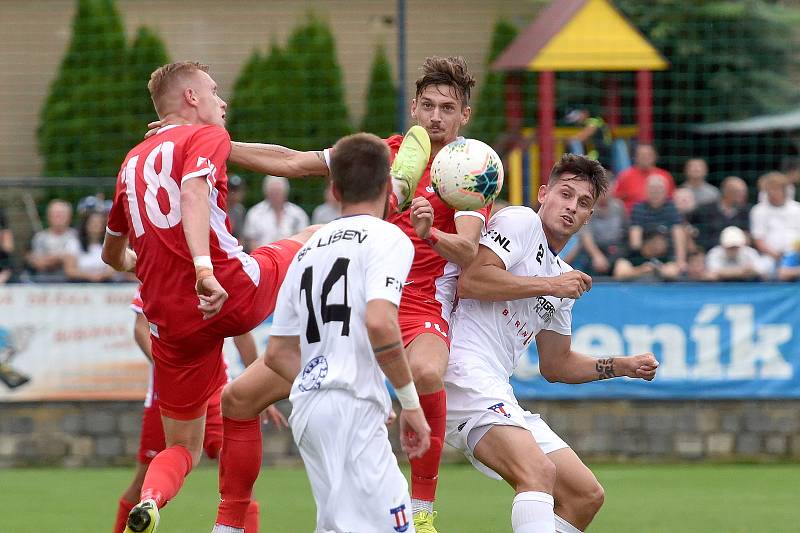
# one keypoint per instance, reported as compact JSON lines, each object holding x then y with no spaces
{"x":644,"y":228}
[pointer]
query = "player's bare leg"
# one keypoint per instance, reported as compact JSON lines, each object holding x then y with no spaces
{"x":427,"y":356}
{"x":577,"y":492}
{"x":512,"y":452}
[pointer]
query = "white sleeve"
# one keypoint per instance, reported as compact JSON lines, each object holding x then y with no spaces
{"x":387,"y":267}
{"x":285,"y":320}
{"x":758,"y":223}
{"x":714,"y":259}
{"x":562,"y":319}
{"x":510,"y":233}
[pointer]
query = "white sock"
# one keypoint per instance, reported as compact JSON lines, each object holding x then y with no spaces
{"x":532,"y":512}
{"x":421,"y":505}
{"x":562,"y":526}
{"x":219,"y":528}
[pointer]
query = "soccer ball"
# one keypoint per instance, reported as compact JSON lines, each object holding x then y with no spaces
{"x":467,"y":174}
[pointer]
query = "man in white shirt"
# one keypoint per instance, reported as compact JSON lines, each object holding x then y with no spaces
{"x":335,"y":334}
{"x":515,"y":291}
{"x":775,"y":223}
{"x":732,"y":259}
{"x":274,"y":218}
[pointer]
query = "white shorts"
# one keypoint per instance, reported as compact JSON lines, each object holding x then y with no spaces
{"x":354,"y":476}
{"x":471,"y":414}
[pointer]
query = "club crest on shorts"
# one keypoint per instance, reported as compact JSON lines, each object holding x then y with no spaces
{"x":500,"y":409}
{"x":400,"y":518}
{"x":314,"y":372}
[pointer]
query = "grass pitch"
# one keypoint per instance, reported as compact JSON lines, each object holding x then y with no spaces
{"x":639,"y":499}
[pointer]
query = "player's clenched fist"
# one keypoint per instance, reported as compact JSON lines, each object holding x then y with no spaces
{"x":415,"y":433}
{"x":641,"y":366}
{"x":570,"y":284}
{"x":421,"y":217}
{"x":212,"y":295}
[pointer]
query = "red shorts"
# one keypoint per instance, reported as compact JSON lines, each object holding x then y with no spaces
{"x":418,"y":315}
{"x":152,"y":440}
{"x":190,"y":369}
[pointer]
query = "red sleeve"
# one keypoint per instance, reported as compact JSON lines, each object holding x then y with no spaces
{"x":206,"y":154}
{"x":117,"y":220}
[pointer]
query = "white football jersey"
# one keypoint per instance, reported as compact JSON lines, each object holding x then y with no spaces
{"x":323,"y":299}
{"x":488,"y":338}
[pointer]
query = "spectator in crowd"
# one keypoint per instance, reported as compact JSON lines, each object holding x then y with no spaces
{"x":603,"y":239}
{"x":237,"y":188}
{"x":330,"y":210}
{"x":789,"y":269}
{"x":651,"y":262}
{"x":775,"y":224}
{"x":631,"y":184}
{"x":731,"y":210}
{"x":594,"y":132}
{"x":50,"y":247}
{"x":658,"y":215}
{"x":275,"y":217}
{"x":790,"y":167}
{"x":696,"y":267}
{"x":732,"y":259}
{"x":696,"y":171}
{"x":685,"y":204}
{"x":6,"y":249}
{"x":84,"y":263}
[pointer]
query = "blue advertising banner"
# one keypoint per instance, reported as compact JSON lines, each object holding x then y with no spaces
{"x":713,"y":340}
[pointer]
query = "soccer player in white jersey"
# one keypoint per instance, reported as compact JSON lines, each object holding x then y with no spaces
{"x":335,"y":335}
{"x":515,"y":291}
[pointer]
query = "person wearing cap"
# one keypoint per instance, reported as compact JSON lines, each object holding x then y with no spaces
{"x":594,"y":131}
{"x":237,"y":188}
{"x":275,"y":217}
{"x":732,"y":259}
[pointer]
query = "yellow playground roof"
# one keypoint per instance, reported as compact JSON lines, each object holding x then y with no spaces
{"x":579,"y":35}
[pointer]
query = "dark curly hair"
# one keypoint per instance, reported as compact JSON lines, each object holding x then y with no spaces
{"x":451,"y":71}
{"x":584,"y":169}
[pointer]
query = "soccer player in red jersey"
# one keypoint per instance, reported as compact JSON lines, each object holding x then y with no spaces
{"x":444,"y":242}
{"x":170,"y":205}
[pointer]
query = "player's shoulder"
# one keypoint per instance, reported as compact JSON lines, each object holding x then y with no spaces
{"x":516,"y":214}
{"x":207,"y":131}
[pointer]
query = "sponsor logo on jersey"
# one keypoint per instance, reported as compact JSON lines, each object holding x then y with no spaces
{"x":429,"y":189}
{"x":500,"y":409}
{"x":462,"y":424}
{"x":504,"y":242}
{"x":544,"y":309}
{"x":395,"y":283}
{"x":313,"y":374}
{"x":343,"y":235}
{"x":400,"y":518}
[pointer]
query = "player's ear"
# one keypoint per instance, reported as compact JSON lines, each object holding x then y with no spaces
{"x":190,"y":97}
{"x":542,"y":194}
{"x":336,"y":193}
{"x":466,"y":113}
{"x":413,"y":108}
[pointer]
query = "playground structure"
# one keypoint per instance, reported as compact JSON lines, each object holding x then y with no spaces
{"x":571,"y":36}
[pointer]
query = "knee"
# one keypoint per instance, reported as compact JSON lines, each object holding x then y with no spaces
{"x":427,"y":376}
{"x":538,"y":475}
{"x":234,"y":404}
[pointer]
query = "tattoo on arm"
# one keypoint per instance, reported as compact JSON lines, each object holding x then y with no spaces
{"x":605,"y":368}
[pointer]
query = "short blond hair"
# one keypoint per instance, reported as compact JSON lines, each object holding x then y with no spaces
{"x":772,"y":179}
{"x":164,"y":76}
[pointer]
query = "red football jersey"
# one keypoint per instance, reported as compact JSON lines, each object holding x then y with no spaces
{"x":429,"y":267}
{"x":147,"y":209}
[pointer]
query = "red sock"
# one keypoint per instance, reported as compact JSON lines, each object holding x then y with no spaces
{"x":251,"y":518}
{"x":239,"y":464}
{"x":122,"y":514}
{"x":425,"y":470}
{"x":165,"y":475}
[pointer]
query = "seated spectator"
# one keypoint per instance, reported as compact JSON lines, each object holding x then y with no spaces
{"x":696,"y":267}
{"x":631,"y":183}
{"x":275,"y":217}
{"x":790,"y":167}
{"x":732,"y":209}
{"x":658,"y":215}
{"x":789,"y":269}
{"x":732,"y":259}
{"x":603,"y":239}
{"x":651,"y":262}
{"x":49,"y":247}
{"x":696,"y":171}
{"x":775,"y":224}
{"x":330,"y":210}
{"x":684,"y":203}
{"x":237,"y":188}
{"x":6,"y":249}
{"x":85,"y":263}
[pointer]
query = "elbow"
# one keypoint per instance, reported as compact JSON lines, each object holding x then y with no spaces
{"x":112,"y":260}
{"x":380,"y":326}
{"x":549,"y":373}
{"x":468,"y":255}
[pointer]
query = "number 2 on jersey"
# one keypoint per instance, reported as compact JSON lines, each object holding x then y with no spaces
{"x":329,"y":312}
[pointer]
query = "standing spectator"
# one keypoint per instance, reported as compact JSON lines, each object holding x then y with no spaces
{"x":86,"y":263}
{"x":594,"y":131}
{"x":696,"y":171}
{"x":631,"y":184}
{"x":658,"y":215}
{"x":49,"y":247}
{"x":775,"y":224}
{"x":6,"y":249}
{"x":330,"y":210}
{"x":603,"y":238}
{"x":274,"y":218}
{"x":733,"y":260}
{"x":731,"y":210}
{"x":237,"y":188}
{"x":789,"y":269}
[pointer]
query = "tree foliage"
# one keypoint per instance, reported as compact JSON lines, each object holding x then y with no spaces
{"x":380,"y":116}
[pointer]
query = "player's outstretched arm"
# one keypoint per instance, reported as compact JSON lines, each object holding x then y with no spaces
{"x":278,"y":160}
{"x":487,"y":279}
{"x":460,"y":247}
{"x":283,"y":356}
{"x":559,"y":363}
{"x":384,"y":335}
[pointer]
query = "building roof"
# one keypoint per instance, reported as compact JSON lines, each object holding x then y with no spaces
{"x":787,"y":121}
{"x":580,"y":35}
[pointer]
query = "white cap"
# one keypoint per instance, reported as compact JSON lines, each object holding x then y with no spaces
{"x":732,"y":237}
